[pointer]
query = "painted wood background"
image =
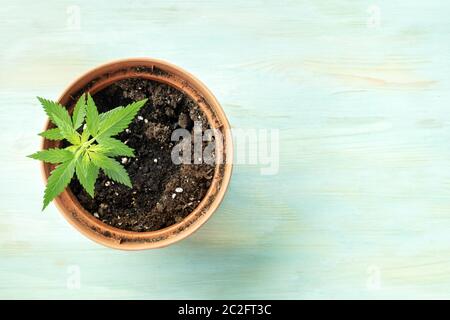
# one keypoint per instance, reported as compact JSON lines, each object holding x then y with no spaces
{"x":359,"y":90}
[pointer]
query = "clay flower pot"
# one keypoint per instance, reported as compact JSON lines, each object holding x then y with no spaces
{"x":164,"y":72}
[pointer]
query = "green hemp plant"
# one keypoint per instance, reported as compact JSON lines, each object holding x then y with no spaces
{"x":92,"y":147}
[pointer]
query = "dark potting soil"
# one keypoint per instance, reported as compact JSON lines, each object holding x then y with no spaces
{"x":163,"y":193}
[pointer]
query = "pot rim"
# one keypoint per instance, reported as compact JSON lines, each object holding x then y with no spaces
{"x":116,"y":238}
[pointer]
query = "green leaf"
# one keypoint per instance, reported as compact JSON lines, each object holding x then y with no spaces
{"x":107,"y":114}
{"x":55,"y":110}
{"x":115,"y":122}
{"x":111,"y":168}
{"x":52,"y":134}
{"x":85,"y":157}
{"x":79,"y":112}
{"x":87,"y":174}
{"x":96,"y":148}
{"x":85,"y":135}
{"x":72,"y":149}
{"x":53,"y":155}
{"x":92,"y":118}
{"x":58,"y":181}
{"x":114,"y":147}
{"x":69,"y":133}
{"x":61,"y":118}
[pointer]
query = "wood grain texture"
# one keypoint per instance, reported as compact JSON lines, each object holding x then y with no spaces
{"x":361,"y":205}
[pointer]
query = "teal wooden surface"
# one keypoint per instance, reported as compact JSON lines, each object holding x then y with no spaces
{"x":359,"y":90}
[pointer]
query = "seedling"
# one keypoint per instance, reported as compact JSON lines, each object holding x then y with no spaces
{"x":92,"y":147}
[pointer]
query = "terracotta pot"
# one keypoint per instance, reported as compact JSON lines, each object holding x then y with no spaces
{"x":161,"y":71}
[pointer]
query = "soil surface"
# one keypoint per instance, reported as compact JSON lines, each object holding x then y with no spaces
{"x":163,"y":193}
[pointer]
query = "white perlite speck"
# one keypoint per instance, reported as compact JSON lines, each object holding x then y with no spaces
{"x":140,"y":118}
{"x":124,"y":160}
{"x":96,"y":215}
{"x":146,"y":120}
{"x":179,"y":190}
{"x":107,"y":183}
{"x":173,"y":195}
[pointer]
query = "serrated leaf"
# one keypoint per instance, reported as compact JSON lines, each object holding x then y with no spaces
{"x":72,"y":149}
{"x":85,"y":135}
{"x":53,"y":155}
{"x":61,"y":118}
{"x":59,"y":179}
{"x":84,"y":158}
{"x":111,"y":168}
{"x":107,"y":114}
{"x":92,"y":117}
{"x":52,"y":134}
{"x":54,"y":109}
{"x":115,"y":122}
{"x":87,"y":174}
{"x":69,"y":133}
{"x":79,"y":112}
{"x":96,"y":148}
{"x":114,"y":147}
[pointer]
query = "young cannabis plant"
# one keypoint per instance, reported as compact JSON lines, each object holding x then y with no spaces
{"x":91,"y":149}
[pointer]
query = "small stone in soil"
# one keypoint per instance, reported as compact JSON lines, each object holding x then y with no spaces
{"x":184,"y":121}
{"x":102,"y":208}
